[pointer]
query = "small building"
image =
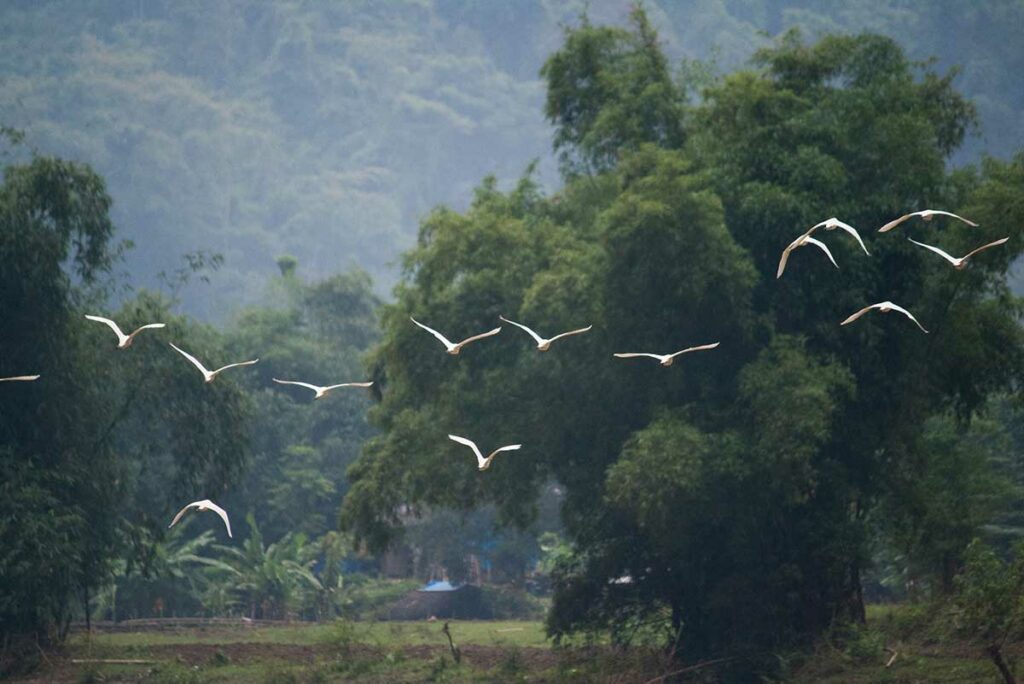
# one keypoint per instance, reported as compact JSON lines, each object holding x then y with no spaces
{"x":442,"y":600}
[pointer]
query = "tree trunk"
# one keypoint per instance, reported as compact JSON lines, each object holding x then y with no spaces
{"x":677,"y":627}
{"x":857,"y":610}
{"x":996,"y":654}
{"x":88,"y":622}
{"x":949,"y":568}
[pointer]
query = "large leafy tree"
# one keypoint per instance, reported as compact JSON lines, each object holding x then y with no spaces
{"x":728,"y":496}
{"x":609,"y":90}
{"x":55,"y":518}
{"x":96,"y":454}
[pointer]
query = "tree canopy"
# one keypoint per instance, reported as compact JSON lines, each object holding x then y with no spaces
{"x":733,"y":495}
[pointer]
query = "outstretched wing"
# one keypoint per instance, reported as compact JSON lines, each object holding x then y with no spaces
{"x":857,"y":315}
{"x":786,"y":252}
{"x":146,"y":327}
{"x":699,"y":348}
{"x":444,"y":340}
{"x":348,"y":384}
{"x":235,"y":365}
{"x":538,"y":338}
{"x":906,"y":313}
{"x":821,"y":245}
{"x":984,"y":247}
{"x":947,"y":257}
{"x":194,"y":360}
{"x":300,"y":384}
{"x":938,"y":212}
{"x":472,"y":445}
{"x":222,"y":513}
{"x":849,"y":229}
{"x":895,"y":222}
{"x":20,"y":378}
{"x":487,"y":462}
{"x":571,"y":332}
{"x":631,"y":355}
{"x":181,"y":513}
{"x":112,"y":324}
{"x":481,"y":336}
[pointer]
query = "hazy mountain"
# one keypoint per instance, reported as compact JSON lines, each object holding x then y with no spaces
{"x":327,"y":129}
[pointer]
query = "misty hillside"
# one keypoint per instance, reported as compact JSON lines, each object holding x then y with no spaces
{"x":326,"y":130}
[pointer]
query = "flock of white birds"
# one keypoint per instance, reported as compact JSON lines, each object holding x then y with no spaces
{"x":886,"y":306}
{"x":543,"y":344}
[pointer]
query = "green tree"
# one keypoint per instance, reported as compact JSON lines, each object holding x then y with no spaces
{"x":728,"y":498}
{"x":990,"y":602}
{"x":59,"y":479}
{"x":608,"y":91}
{"x":99,"y":452}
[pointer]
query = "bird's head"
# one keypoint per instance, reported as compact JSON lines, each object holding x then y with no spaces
{"x":668,"y":362}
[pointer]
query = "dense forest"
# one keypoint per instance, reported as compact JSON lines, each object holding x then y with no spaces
{"x":245,"y":174}
{"x":328,"y":130}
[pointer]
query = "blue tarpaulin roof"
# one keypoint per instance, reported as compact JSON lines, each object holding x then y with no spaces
{"x":441,"y":585}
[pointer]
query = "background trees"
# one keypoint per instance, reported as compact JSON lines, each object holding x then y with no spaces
{"x":327,"y":131}
{"x":732,"y":496}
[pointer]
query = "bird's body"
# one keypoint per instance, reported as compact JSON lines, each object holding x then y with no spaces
{"x":667,"y":359}
{"x":961,"y":263}
{"x":543,"y":344}
{"x":208,"y":375}
{"x":454,"y":348}
{"x":204,"y":505}
{"x":802,"y":241}
{"x":322,"y":392}
{"x":483,"y":463}
{"x":926,"y":215}
{"x":123,"y":341}
{"x":884,"y":307}
{"x":20,"y":378}
{"x":834,"y":223}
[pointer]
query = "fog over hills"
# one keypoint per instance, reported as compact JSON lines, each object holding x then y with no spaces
{"x":326,"y":130}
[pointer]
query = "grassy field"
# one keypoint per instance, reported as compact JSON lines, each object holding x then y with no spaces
{"x":341,"y":652}
{"x":489,"y":652}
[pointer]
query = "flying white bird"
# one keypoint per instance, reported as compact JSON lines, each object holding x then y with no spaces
{"x":204,"y":505}
{"x":123,"y":341}
{"x":667,"y":359}
{"x":832,"y":224}
{"x":884,"y":307}
{"x":926,"y":215}
{"x":20,"y":378}
{"x":542,"y":343}
{"x":208,"y":376}
{"x":803,"y":241}
{"x":961,"y":263}
{"x":482,"y":463}
{"x":455,"y":348}
{"x":321,"y":391}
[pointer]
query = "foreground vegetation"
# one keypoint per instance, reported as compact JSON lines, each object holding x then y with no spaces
{"x":900,"y":644}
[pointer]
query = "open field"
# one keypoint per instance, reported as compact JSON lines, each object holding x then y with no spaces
{"x":492,"y":651}
{"x":337,"y":652}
